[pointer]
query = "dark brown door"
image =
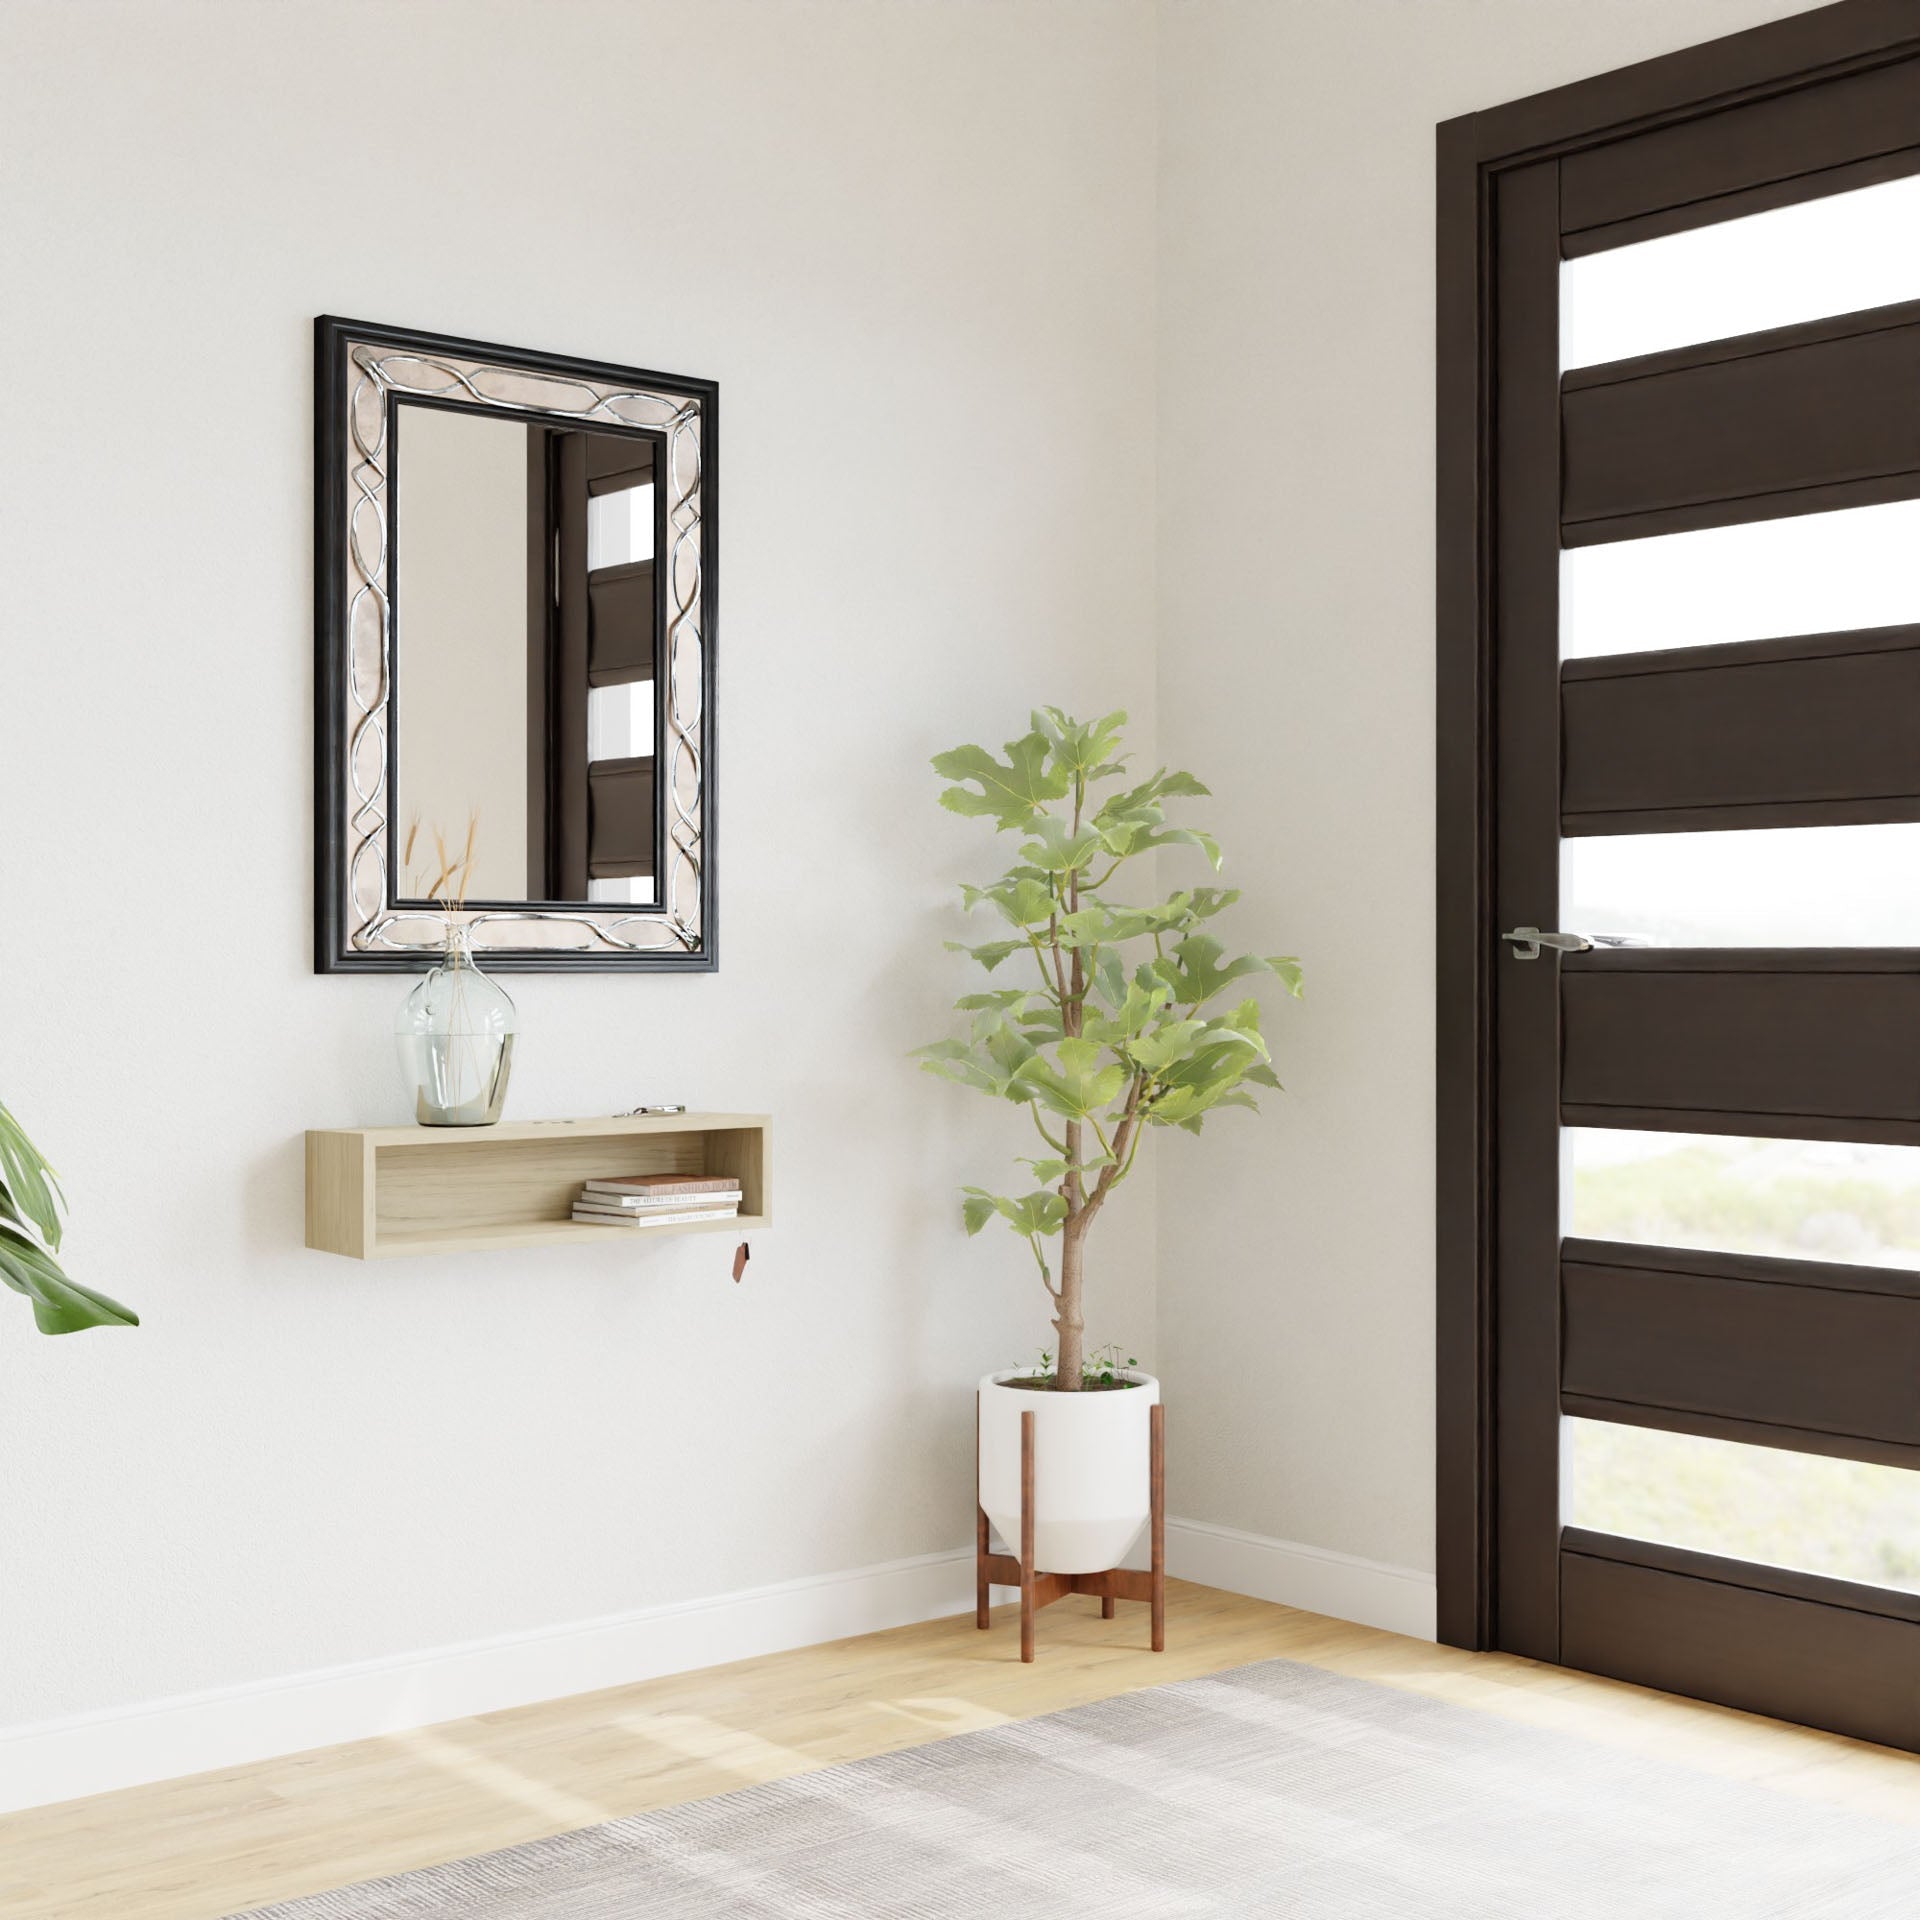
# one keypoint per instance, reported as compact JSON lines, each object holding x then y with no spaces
{"x":1699,"y":1373}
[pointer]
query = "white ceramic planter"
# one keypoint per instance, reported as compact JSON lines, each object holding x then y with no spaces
{"x":1091,"y":1469}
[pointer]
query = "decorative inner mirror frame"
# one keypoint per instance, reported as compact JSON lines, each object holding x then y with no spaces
{"x":370,"y":909}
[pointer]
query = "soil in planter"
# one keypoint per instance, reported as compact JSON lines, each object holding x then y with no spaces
{"x":1047,"y":1384}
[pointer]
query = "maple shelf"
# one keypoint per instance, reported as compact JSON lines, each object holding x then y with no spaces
{"x":377,"y":1193}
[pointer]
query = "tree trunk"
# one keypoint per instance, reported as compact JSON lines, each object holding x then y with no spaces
{"x":1069,"y":1322}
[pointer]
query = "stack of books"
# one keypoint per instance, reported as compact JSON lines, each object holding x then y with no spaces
{"x":658,"y":1199}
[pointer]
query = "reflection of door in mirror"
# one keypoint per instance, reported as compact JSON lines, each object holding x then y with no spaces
{"x":525,"y":620}
{"x":602,"y":501}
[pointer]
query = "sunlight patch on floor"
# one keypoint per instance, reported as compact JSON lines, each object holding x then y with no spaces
{"x":505,"y":1782}
{"x":694,"y":1736}
{"x":944,"y":1716}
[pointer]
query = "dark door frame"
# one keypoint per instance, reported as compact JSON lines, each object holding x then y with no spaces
{"x":1855,"y":36}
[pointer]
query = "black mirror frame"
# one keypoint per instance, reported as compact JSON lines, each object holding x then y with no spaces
{"x":344,"y":824}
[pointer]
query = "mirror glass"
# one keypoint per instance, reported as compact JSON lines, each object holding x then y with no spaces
{"x":525,"y":616}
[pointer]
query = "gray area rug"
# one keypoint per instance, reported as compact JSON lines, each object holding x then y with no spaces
{"x":1276,"y":1789}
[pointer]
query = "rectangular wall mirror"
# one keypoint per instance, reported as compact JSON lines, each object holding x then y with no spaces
{"x":515,"y":638}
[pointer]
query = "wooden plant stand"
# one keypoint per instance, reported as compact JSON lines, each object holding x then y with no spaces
{"x":1039,"y":1589}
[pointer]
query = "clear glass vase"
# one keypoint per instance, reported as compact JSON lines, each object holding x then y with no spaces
{"x":455,"y":1035}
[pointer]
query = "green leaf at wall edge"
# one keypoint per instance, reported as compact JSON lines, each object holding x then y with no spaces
{"x":31,"y":1183}
{"x":60,"y":1305}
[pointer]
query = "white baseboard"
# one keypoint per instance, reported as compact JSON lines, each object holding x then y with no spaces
{"x":230,"y":1726}
{"x":1396,"y":1599}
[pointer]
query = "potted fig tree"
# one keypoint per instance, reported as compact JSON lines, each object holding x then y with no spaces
{"x":1118,"y":1019}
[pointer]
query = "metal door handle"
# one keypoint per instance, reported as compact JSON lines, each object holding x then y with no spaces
{"x":1527,"y":942}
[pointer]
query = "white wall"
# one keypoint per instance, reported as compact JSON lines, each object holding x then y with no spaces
{"x":914,"y":245}
{"x":1296,"y":672}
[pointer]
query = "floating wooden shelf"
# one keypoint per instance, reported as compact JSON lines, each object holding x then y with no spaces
{"x":376,"y":1192}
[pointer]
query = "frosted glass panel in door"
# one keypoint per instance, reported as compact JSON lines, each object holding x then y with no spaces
{"x":1836,"y":255}
{"x":1758,"y":887}
{"x":1838,"y":1200}
{"x":1812,"y":573}
{"x":620,"y":721}
{"x":620,"y":527}
{"x":1847,"y":1519}
{"x":636,"y":891}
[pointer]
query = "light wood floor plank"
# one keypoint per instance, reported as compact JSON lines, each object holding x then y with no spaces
{"x":202,"y":1847}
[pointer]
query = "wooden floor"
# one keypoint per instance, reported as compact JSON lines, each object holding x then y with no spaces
{"x":206,"y":1846}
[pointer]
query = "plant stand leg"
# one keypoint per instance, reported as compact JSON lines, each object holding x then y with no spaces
{"x":980,"y":1581}
{"x":1107,"y":1605}
{"x":1157,"y":1443}
{"x":1027,"y":1608}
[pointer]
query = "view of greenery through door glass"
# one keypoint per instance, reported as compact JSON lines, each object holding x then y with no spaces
{"x":1848,"y":1519}
{"x":1749,"y":886}
{"x":1838,"y":1200}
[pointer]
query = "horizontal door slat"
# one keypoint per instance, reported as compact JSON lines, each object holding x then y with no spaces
{"x":1838,"y":1667}
{"x":1742,"y":148}
{"x":1884,"y":810}
{"x":1796,"y":960}
{"x":1893,"y":1603}
{"x":1785,"y":1350}
{"x":1819,"y":731}
{"x":620,"y":818}
{"x":1791,"y":646}
{"x":618,"y":460}
{"x":1744,"y":429}
{"x":1880,"y":490}
{"x":1767,"y":344}
{"x":1763,"y":1051}
{"x":620,"y":624}
{"x":1901,"y":1282}
{"x":1817,"y":185}
{"x":1762,"y":1125}
{"x":1753,"y":1433}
